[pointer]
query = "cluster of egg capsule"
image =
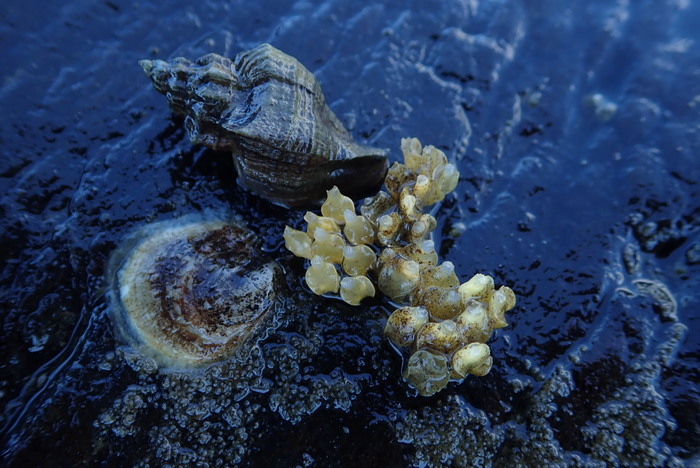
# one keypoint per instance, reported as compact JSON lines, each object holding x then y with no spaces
{"x":339,"y":240}
{"x":446,"y":324}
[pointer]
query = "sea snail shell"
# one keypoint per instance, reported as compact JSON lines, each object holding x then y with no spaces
{"x":190,"y":293}
{"x":269,"y":110}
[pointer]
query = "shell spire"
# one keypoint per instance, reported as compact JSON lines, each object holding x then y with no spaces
{"x":268,"y":110}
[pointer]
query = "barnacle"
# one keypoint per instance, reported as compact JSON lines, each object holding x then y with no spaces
{"x":444,"y":324}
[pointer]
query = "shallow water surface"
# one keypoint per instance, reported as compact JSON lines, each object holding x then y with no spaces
{"x":575,"y":129}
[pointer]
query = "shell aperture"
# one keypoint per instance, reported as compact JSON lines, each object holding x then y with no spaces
{"x":190,"y":294}
{"x":268,"y":110}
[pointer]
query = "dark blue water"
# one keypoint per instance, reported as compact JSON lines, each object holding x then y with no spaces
{"x":575,"y":129}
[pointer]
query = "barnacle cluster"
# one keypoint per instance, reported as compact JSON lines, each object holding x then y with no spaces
{"x":444,"y":323}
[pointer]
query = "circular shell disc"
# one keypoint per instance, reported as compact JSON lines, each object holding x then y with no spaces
{"x":193,"y":292}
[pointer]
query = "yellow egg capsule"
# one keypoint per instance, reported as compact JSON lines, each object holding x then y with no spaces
{"x":478,"y":286}
{"x":422,"y":251}
{"x":389,"y":227}
{"x":408,"y":205}
{"x":447,"y":180}
{"x":420,"y":228}
{"x":358,"y":259}
{"x":298,"y":242}
{"x":422,"y":187}
{"x":473,"y":323}
{"x":397,"y":176}
{"x":398,"y":277}
{"x":412,"y":153}
{"x":403,"y":325}
{"x":500,"y":301}
{"x":322,"y":277}
{"x":358,"y":229}
{"x":336,"y":204}
{"x":327,"y":245}
{"x":442,"y":337}
{"x":442,"y":303}
{"x":376,"y":206}
{"x":433,"y":159}
{"x":316,"y":221}
{"x":475,"y":359}
{"x":442,"y":276}
{"x":355,"y":288}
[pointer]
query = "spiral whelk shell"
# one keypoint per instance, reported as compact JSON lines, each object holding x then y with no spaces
{"x":269,"y":110}
{"x":191,"y":293}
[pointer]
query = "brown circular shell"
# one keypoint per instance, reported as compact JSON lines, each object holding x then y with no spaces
{"x":191,"y":294}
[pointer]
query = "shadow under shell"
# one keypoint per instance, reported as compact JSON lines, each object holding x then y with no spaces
{"x":189,"y":293}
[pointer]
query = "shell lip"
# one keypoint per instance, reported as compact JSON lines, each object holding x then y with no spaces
{"x":359,"y":177}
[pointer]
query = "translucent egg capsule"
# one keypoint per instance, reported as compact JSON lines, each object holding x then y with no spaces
{"x":387,"y":255}
{"x":442,"y":276}
{"x":376,"y":206}
{"x":403,"y":325}
{"x":433,"y":159}
{"x":475,"y":359}
{"x":408,"y":205}
{"x":478,"y":286}
{"x":412,"y":153}
{"x":327,"y":245}
{"x":500,"y":301}
{"x":420,"y":228}
{"x":358,"y":229}
{"x":397,"y":177}
{"x":427,"y":372}
{"x":429,"y":221}
{"x":422,"y":187}
{"x":355,"y":288}
{"x":442,"y":337}
{"x":315,"y":221}
{"x":358,"y":259}
{"x":398,"y":277}
{"x":422,"y":252}
{"x":442,"y":303}
{"x":336,"y":204}
{"x":322,"y":277}
{"x":388,"y":228}
{"x":447,"y":180}
{"x":417,"y":231}
{"x":298,"y":242}
{"x":473,"y":322}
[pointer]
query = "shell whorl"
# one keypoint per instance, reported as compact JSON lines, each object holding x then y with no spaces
{"x":269,"y":110}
